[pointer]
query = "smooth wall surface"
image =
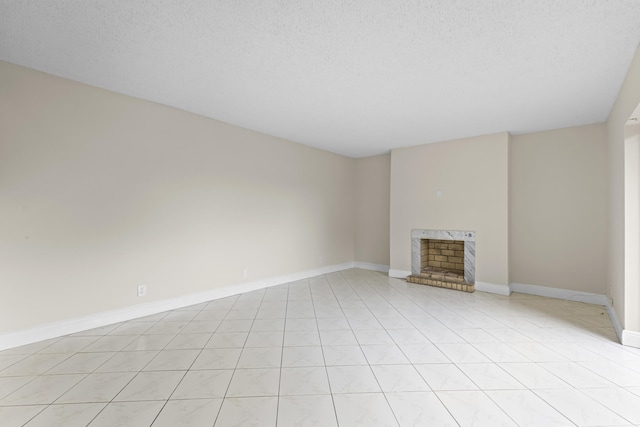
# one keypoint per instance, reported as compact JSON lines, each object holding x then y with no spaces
{"x":632,"y":215}
{"x":372,"y":209}
{"x":627,"y":309}
{"x":101,"y":192}
{"x":454,"y":185}
{"x":558,"y":198}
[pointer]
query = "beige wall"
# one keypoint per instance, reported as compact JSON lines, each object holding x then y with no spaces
{"x":632,"y":222}
{"x":472,"y":177}
{"x":558,"y":197}
{"x":627,"y":309}
{"x":372,"y":209}
{"x":100,"y":192}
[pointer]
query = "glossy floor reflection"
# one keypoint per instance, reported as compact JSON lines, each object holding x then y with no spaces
{"x":353,"y":348}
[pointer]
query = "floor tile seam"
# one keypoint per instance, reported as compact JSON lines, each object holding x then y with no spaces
{"x":435,"y":392}
{"x":457,"y":367}
{"x":62,"y":338}
{"x":505,"y":411}
{"x":215,"y":348}
{"x":11,"y":392}
{"x":552,"y":403}
{"x":545,"y":345}
{"x":324,"y":360}
{"x":538,"y":364}
{"x":497,"y":364}
{"x":112,"y":400}
{"x":70,"y":355}
{"x":68,"y":389}
{"x":173,"y":391}
{"x":235,"y":369}
{"x":27,"y":383}
{"x":286,"y":308}
{"x":127,"y":401}
{"x":359,"y":297}
{"x":610,"y":409}
{"x":541,"y":364}
{"x":578,"y":363}
{"x":581,"y":363}
{"x":225,"y":396}
{"x":56,"y":339}
{"x":598,"y":353}
{"x":44,"y":407}
{"x":24,"y":356}
{"x":474,"y":345}
{"x":343,"y":314}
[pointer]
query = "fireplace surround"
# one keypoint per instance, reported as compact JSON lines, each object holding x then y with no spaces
{"x":443,"y":258}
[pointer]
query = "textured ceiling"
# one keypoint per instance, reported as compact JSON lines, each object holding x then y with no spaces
{"x":353,"y":77}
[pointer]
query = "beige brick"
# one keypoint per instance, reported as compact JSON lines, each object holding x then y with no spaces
{"x":455,"y":260}
{"x":441,"y":258}
{"x":448,"y":252}
{"x":460,"y":267}
{"x":435,"y":264}
{"x":459,"y":253}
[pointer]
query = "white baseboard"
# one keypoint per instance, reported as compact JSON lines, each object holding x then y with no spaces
{"x":565,"y":294}
{"x":400,"y":274}
{"x":493,"y":288}
{"x":369,"y":266}
{"x":626,"y":337}
{"x":617,"y":326}
{"x":630,"y":338}
{"x":78,"y":324}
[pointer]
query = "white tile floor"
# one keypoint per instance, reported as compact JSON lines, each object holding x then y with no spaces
{"x":353,"y":348}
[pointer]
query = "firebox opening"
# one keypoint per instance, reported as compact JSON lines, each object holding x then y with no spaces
{"x":442,"y":256}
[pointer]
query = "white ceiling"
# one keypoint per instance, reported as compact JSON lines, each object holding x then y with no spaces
{"x":356,"y":77}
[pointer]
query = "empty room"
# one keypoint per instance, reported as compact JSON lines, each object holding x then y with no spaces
{"x":319,"y":213}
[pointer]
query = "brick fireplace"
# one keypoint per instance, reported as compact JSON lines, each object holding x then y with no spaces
{"x":443,"y":258}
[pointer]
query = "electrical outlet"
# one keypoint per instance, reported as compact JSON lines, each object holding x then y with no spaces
{"x":142,"y":290}
{"x":245,"y":273}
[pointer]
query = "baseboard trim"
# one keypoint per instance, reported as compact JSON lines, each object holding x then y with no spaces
{"x":564,"y":294}
{"x":399,"y":274}
{"x":630,"y":338}
{"x":493,"y":288}
{"x":370,"y":266}
{"x":617,"y":326}
{"x":78,"y":324}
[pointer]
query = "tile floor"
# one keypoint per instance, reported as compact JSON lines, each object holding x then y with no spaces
{"x":352,"y":348}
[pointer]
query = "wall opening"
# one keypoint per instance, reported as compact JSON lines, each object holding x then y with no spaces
{"x":442,"y":255}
